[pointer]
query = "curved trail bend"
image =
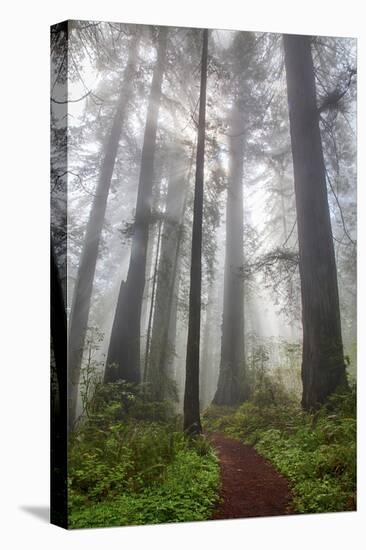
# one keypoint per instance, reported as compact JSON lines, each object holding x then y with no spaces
{"x":250,"y":486}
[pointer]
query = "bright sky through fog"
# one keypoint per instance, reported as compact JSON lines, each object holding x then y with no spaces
{"x":78,"y":89}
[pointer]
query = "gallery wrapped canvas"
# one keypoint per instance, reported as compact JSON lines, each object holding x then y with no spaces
{"x":203,"y":274}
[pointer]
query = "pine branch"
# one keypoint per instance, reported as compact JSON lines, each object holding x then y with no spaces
{"x":331,"y":101}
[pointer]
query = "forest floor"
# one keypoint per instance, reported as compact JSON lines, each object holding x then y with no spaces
{"x":250,"y":485}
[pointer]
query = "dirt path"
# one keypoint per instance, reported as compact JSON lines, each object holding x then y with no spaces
{"x":250,"y":486}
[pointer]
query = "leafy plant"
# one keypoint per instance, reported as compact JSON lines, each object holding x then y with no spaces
{"x":130,"y":463}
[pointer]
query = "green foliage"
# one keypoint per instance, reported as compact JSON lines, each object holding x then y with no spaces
{"x":129,"y":463}
{"x":316,"y":452}
{"x":187,"y":493}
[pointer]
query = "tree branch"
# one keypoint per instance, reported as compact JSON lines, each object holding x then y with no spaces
{"x":71,"y":100}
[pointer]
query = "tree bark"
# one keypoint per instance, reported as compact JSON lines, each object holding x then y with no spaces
{"x":146,"y":299}
{"x":123,"y":361}
{"x":152,"y":303}
{"x":232,"y":342}
{"x":86,"y":271}
{"x":207,"y":370}
{"x":192,"y":421}
{"x":323,"y":367}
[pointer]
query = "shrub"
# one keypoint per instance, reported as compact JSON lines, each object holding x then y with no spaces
{"x":188,"y":493}
{"x":130,"y":464}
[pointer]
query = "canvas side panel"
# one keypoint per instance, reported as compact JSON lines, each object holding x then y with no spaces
{"x":59,"y":133}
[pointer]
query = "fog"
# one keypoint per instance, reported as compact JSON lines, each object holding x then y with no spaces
{"x":97,"y":61}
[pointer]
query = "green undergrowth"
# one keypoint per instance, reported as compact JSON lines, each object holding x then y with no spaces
{"x":315,"y":451}
{"x":130,"y":464}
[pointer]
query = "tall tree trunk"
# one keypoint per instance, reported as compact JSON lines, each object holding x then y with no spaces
{"x":323,"y":368}
{"x":207,"y":356}
{"x":152,"y":302}
{"x":123,"y":361}
{"x":163,"y":332}
{"x":192,"y":421}
{"x":232,"y":342}
{"x":86,"y":271}
{"x":148,"y":282}
{"x":146,"y":299}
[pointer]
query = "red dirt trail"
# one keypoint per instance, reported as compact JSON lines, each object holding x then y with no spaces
{"x":250,"y":486}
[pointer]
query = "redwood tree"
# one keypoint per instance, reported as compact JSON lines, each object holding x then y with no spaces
{"x":123,"y":361}
{"x":323,"y":367}
{"x":232,"y":342}
{"x":192,"y":421}
{"x":86,"y":270}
